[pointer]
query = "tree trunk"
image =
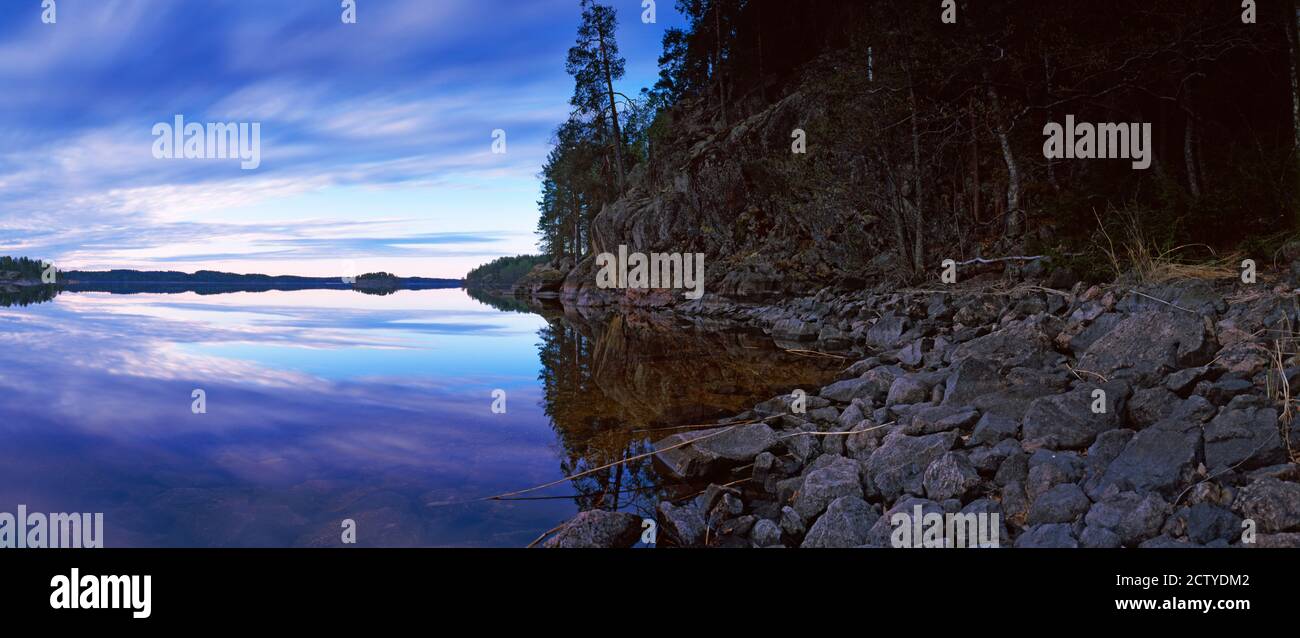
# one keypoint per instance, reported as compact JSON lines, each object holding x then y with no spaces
{"x":918,"y":212}
{"x":613,"y":111}
{"x":717,"y":64}
{"x":762,"y":76}
{"x":1189,"y":143}
{"x":1189,"y":157}
{"x":1047,"y":80}
{"x":1013,"y":224}
{"x":975,"y":158}
{"x":1292,"y":28}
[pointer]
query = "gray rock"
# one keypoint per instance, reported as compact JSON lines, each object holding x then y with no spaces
{"x":882,"y":531}
{"x":1014,"y":501}
{"x":1048,"y":469}
{"x":941,"y":418}
{"x":765,"y":533}
{"x":1183,"y":381}
{"x":1012,"y":345}
{"x":1274,"y":505}
{"x":977,"y":383}
{"x":1207,"y":523}
{"x":872,"y":387}
{"x":846,"y":523}
{"x":907,"y":390}
{"x":1150,"y":405}
{"x":1149,"y":343}
{"x":682,"y":525}
{"x":988,"y":459}
{"x":1101,"y":454}
{"x":950,"y":476}
{"x":1015,"y":469}
{"x":1099,"y":537}
{"x":791,"y":523}
{"x":887,"y":332}
{"x":992,"y":428}
{"x":713,"y":452}
{"x":1249,"y":437}
{"x":795,"y":330}
{"x":1047,"y":536}
{"x":969,"y":380}
{"x":896,"y":466}
{"x":1275,"y":541}
{"x":1222,"y":391}
{"x":1062,"y":504}
{"x":1132,"y":517}
{"x":1165,"y":542}
{"x":849,"y":389}
{"x":1066,"y":421}
{"x":913,"y":354}
{"x":1161,"y":459}
{"x":821,"y":486}
{"x":597,"y":529}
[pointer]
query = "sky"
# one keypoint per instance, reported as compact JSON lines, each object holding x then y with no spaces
{"x":376,"y":138}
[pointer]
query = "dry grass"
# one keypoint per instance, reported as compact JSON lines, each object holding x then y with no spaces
{"x":1279,"y":387}
{"x":1139,"y":257}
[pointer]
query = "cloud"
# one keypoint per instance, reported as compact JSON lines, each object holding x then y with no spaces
{"x":401,"y":104}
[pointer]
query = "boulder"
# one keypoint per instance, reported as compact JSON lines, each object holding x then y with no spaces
{"x":1051,"y":535}
{"x":840,"y":477}
{"x":683,"y":525}
{"x":1161,"y":458}
{"x":1067,"y":422}
{"x":765,"y":533}
{"x":1063,"y":503}
{"x":1274,"y":505}
{"x":1249,"y":437}
{"x":795,"y":330}
{"x":1132,"y":517}
{"x":907,"y":390}
{"x":597,"y":529}
{"x":713,"y":450}
{"x":887,"y":332}
{"x":1147,"y":344}
{"x":950,"y":476}
{"x":941,"y":418}
{"x":992,"y":428}
{"x":896,"y":466}
{"x":846,"y":523}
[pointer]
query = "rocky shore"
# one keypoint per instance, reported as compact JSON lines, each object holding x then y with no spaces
{"x":1146,"y":416}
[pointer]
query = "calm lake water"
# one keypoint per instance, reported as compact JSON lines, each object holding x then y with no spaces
{"x":325,"y":405}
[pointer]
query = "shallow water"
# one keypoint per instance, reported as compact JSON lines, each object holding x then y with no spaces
{"x":325,"y":405}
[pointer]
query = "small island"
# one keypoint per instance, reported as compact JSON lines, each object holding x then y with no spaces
{"x":19,"y":274}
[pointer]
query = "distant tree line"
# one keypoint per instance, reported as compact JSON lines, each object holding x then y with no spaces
{"x":26,"y":268}
{"x":502,"y":272}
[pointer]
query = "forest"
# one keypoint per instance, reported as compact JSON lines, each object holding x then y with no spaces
{"x":925,"y":138}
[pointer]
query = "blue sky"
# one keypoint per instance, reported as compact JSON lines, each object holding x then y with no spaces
{"x":376,"y":137}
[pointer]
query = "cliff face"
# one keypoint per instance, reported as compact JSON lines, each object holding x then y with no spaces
{"x":770,"y":222}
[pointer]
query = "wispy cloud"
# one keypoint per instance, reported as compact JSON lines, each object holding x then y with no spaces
{"x":376,"y":137}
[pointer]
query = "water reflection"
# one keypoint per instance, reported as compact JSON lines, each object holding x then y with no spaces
{"x":325,"y":405}
{"x":610,"y":381}
{"x":26,"y":295}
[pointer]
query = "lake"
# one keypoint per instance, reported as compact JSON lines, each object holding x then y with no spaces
{"x":326,"y":405}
